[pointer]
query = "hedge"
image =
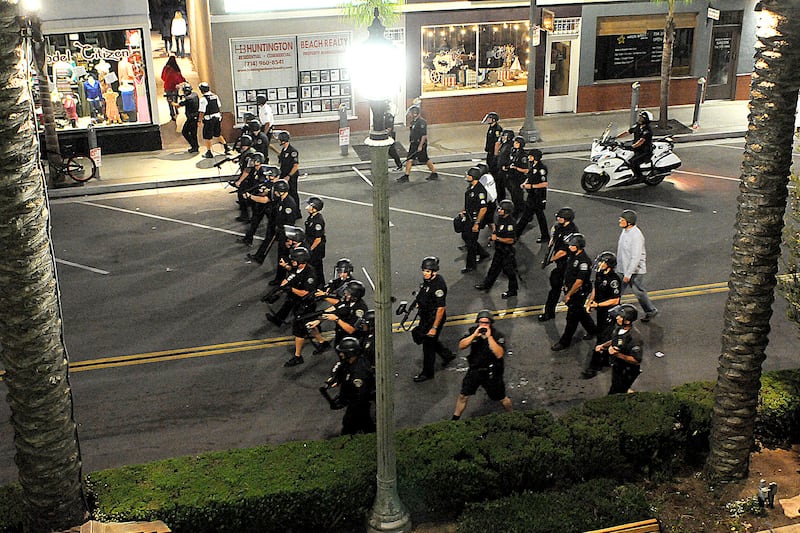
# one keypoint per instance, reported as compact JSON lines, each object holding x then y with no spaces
{"x":443,"y":468}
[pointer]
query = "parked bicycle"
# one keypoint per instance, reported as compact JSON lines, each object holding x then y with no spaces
{"x":77,"y":166}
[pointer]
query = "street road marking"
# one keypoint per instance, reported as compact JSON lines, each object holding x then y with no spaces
{"x":166,"y":219}
{"x":261,"y":344}
{"x":84,"y":267}
{"x":365,"y":204}
{"x":620,"y":200}
{"x":362,"y":176}
{"x":714,"y":176}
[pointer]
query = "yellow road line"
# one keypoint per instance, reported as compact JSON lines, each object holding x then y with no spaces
{"x":261,"y":344}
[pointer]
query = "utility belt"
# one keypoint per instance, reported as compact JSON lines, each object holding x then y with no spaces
{"x":212,"y":116}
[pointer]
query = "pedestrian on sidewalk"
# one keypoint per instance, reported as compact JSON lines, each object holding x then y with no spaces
{"x":191,"y":108}
{"x":211,"y":118}
{"x":418,"y":145}
{"x":632,"y":261}
{"x":173,"y":78}
{"x":178,"y":30}
{"x":166,"y":31}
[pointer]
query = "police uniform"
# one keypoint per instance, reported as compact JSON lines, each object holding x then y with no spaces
{"x":261,"y":144}
{"x":485,"y":369}
{"x":349,"y":313}
{"x":286,"y":212}
{"x":314,"y":229}
{"x":504,"y":259}
{"x":624,"y":373}
{"x":492,"y":137}
{"x":503,"y":161}
{"x":536,"y":201}
{"x":579,"y":267}
{"x":475,"y":199}
{"x":432,"y":295}
{"x":643,"y":152}
{"x":519,"y":160}
{"x":259,"y":210}
{"x":212,"y":115}
{"x":607,"y":286}
{"x":356,"y":393}
{"x":560,"y":236}
{"x":247,"y":184}
{"x":287,"y":159}
{"x":191,"y":106}
{"x":418,"y":130}
{"x":302,"y":280}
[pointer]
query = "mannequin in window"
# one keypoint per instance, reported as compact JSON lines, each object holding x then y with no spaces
{"x":70,"y":108}
{"x":102,"y":68}
{"x":112,"y":109}
{"x":94,"y":95}
{"x":128,"y":101}
{"x":142,"y":105}
{"x":125,"y":70}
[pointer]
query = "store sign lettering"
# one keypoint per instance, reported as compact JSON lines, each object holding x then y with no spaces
{"x":89,"y":53}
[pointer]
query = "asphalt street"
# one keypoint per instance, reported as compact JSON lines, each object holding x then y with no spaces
{"x":171,"y":354}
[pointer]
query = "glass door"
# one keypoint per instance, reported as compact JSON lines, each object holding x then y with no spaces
{"x":722,"y":62}
{"x":561,"y":74}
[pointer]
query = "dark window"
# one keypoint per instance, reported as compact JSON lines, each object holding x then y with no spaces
{"x":638,"y":55}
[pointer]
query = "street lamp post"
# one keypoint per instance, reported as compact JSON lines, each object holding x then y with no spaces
{"x":377,"y":75}
{"x":529,"y":130}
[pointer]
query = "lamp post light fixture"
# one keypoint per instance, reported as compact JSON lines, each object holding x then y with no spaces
{"x":377,"y":71}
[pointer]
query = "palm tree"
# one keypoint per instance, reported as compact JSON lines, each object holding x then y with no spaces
{"x":666,"y":63}
{"x":33,"y":355}
{"x":361,"y":12}
{"x":757,"y":242}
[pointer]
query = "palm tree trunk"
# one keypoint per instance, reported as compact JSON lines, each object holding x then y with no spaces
{"x":33,"y":355}
{"x":666,"y":67}
{"x":757,"y":242}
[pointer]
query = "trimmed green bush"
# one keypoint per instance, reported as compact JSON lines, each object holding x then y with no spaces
{"x":592,"y":505}
{"x":442,"y":467}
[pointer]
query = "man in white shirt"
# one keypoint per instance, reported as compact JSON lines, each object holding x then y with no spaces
{"x":632,"y":262}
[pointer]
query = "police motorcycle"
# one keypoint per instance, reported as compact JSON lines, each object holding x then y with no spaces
{"x":610,"y":163}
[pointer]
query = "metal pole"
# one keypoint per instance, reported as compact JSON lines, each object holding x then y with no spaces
{"x":701,"y":91}
{"x":388,"y":512}
{"x":529,"y":130}
{"x":634,"y":101}
{"x":344,"y":130}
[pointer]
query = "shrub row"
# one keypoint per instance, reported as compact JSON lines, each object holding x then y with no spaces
{"x":442,"y":467}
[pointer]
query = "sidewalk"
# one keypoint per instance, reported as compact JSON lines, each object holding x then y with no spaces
{"x":172,"y":166}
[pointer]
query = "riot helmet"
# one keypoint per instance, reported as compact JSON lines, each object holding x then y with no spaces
{"x":187,"y":89}
{"x":343,"y":265}
{"x":284,"y":137}
{"x":254,"y":125}
{"x":281,"y":186}
{"x":300,"y":254}
{"x":356,"y":289}
{"x":506,"y":205}
{"x":349,"y":346}
{"x":294,"y":233}
{"x":567,"y":213}
{"x":536,"y":154}
{"x":507,"y":135}
{"x":246,"y":140}
{"x":490,"y":117}
{"x":483,"y":168}
{"x":484,"y":314}
{"x":316,"y":203}
{"x":521,"y":140}
{"x":646,"y":116}
{"x":204,"y":87}
{"x":257,"y":157}
{"x":628,"y":312}
{"x":474,"y":173}
{"x":577,"y":240}
{"x":430,"y":263}
{"x":609,"y":258}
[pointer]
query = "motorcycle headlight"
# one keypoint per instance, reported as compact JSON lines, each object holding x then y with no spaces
{"x":595,"y":158}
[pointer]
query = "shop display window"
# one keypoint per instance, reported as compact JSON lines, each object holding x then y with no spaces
{"x":97,"y":77}
{"x":630,"y":47}
{"x":461,"y":57}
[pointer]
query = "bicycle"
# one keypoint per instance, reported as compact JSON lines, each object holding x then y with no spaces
{"x":79,"y":167}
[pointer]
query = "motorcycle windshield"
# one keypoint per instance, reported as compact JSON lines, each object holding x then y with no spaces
{"x":607,"y":133}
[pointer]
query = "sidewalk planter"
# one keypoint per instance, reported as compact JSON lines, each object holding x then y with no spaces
{"x":442,"y":468}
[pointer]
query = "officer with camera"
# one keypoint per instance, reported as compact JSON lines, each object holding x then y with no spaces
{"x":315,"y":234}
{"x":504,"y":259}
{"x":432,"y":304}
{"x":577,"y":286}
{"x":624,"y":349}
{"x":299,"y":285}
{"x":354,"y":377}
{"x":486,"y":350}
{"x":475,"y":209}
{"x":557,"y":253}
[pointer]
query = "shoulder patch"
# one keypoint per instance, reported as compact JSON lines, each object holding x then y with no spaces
{"x":358,"y":383}
{"x":287,"y":210}
{"x":318,"y":227}
{"x":439,"y":293}
{"x":614,"y":284}
{"x":359,"y":313}
{"x":311,"y":280}
{"x":510,"y":227}
{"x":584,"y":266}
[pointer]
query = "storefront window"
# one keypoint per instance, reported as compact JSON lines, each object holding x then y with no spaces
{"x":471,"y":56}
{"x":630,"y":47}
{"x":98,"y":78}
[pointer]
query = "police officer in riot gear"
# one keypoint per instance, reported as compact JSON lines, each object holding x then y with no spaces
{"x":245,"y":182}
{"x":344,"y":314}
{"x":332,"y":291}
{"x":492,"y":139}
{"x":432,"y":304}
{"x":503,"y":239}
{"x":577,"y":286}
{"x":605,"y":296}
{"x":315,"y":234}
{"x":418,"y":146}
{"x":475,"y":211}
{"x":536,"y":186}
{"x":517,"y":174}
{"x":261,"y":187}
{"x":624,"y":349}
{"x":289,"y":163}
{"x":191,"y":105}
{"x":260,"y":139}
{"x":354,"y":377}
{"x":285,"y":214}
{"x":557,"y":253}
{"x":486,"y":351}
{"x":503,"y":162}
